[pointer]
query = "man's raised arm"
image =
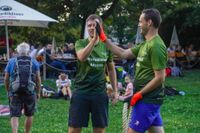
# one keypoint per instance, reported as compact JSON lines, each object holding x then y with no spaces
{"x":120,"y":52}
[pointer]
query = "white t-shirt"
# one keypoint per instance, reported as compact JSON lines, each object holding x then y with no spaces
{"x":60,"y":83}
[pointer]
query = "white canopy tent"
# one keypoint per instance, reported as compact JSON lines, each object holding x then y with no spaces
{"x":174,"y":38}
{"x":139,"y":38}
{"x":13,"y":13}
{"x":86,"y":34}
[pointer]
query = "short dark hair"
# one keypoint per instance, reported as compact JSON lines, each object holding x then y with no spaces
{"x":154,"y":15}
{"x":93,"y":17}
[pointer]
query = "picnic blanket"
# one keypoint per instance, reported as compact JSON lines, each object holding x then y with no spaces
{"x":4,"y":110}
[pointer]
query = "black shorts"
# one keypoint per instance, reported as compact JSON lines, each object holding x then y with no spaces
{"x":26,"y":102}
{"x":82,"y":105}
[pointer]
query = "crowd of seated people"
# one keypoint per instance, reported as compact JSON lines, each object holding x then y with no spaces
{"x":171,"y":50}
{"x":51,"y":59}
{"x":55,"y":59}
{"x":69,"y":50}
{"x":178,"y":56}
{"x":192,"y":54}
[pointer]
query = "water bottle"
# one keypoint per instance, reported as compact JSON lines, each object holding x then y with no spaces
{"x":182,"y":93}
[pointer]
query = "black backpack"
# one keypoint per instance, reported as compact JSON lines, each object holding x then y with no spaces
{"x":170,"y":91}
{"x":24,"y":77}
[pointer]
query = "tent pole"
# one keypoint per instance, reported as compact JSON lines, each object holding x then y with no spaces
{"x":7,"y":41}
{"x":44,"y":66}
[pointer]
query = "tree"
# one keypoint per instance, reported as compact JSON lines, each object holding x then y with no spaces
{"x":71,"y":14}
{"x":185,"y":16}
{"x":120,"y":18}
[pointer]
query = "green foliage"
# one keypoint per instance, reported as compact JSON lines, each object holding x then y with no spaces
{"x":180,"y":113}
{"x":123,"y":23}
{"x":120,"y":17}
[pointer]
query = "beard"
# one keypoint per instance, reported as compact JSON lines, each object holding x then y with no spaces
{"x":144,"y":31}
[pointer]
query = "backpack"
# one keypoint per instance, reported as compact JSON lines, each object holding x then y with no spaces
{"x":170,"y":91}
{"x":24,"y":78}
{"x":47,"y":91}
{"x":176,"y":71}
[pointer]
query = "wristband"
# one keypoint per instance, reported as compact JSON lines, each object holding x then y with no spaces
{"x":135,"y":98}
{"x":102,"y":36}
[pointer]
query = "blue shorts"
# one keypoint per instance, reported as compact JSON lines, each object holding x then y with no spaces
{"x":145,"y":115}
{"x":82,"y":105}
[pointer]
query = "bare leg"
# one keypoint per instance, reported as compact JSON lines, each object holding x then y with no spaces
{"x":74,"y":130}
{"x":99,"y":130}
{"x":69,"y":92}
{"x":156,"y":129}
{"x":14,"y":124}
{"x":130,"y":130}
{"x":64,"y":91}
{"x":28,"y":124}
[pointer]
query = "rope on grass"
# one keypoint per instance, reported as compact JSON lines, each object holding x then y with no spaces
{"x":129,"y":116}
{"x":124,"y":118}
{"x":126,"y":115}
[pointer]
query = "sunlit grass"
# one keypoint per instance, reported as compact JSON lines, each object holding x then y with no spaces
{"x":181,"y":114}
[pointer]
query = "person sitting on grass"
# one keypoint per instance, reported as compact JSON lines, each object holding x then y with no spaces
{"x":128,"y":91}
{"x":63,"y":84}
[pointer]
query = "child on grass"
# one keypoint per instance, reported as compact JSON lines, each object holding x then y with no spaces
{"x":129,"y":89}
{"x":63,"y":84}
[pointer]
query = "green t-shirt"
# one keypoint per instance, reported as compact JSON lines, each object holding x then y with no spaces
{"x":90,"y":77}
{"x":151,"y":55}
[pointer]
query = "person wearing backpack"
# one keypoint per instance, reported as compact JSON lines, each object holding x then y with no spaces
{"x":22,"y":82}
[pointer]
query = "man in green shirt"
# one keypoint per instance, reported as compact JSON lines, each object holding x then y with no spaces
{"x":89,"y":96}
{"x":151,"y":56}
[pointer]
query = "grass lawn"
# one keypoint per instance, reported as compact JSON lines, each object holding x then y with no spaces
{"x":181,"y":114}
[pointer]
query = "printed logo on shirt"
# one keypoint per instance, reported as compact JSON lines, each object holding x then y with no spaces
{"x":137,"y":123}
{"x":97,"y":62}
